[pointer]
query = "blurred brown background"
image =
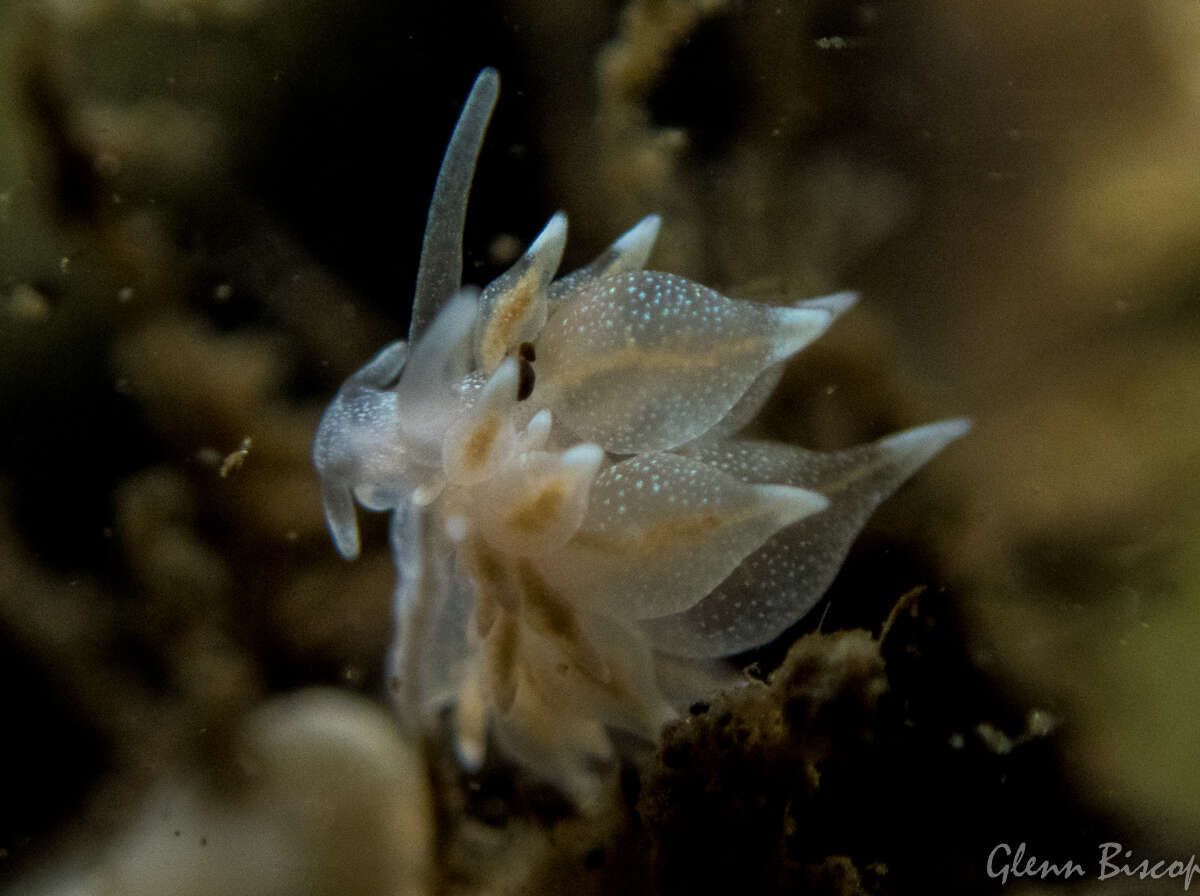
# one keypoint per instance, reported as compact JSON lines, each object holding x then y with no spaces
{"x":210,"y":213}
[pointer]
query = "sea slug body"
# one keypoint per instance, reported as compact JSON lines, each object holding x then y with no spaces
{"x":579,"y":534}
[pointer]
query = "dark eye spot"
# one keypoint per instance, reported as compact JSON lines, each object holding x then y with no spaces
{"x":526,"y":352}
{"x":525,"y":379}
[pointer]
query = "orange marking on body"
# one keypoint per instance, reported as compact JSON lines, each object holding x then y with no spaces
{"x":534,"y":515}
{"x":511,"y":311}
{"x":478,"y":445}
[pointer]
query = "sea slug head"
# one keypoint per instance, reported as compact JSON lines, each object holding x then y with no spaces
{"x":377,"y":441}
{"x":358,"y":442}
{"x":383,"y":437}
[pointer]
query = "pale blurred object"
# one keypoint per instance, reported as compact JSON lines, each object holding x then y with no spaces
{"x":320,"y":795}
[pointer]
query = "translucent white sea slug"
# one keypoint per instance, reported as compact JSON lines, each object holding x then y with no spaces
{"x":579,"y":535}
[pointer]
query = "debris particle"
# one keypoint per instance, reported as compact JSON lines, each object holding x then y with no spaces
{"x":234,"y":460}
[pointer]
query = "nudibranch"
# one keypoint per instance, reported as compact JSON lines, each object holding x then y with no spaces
{"x":579,"y":534}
